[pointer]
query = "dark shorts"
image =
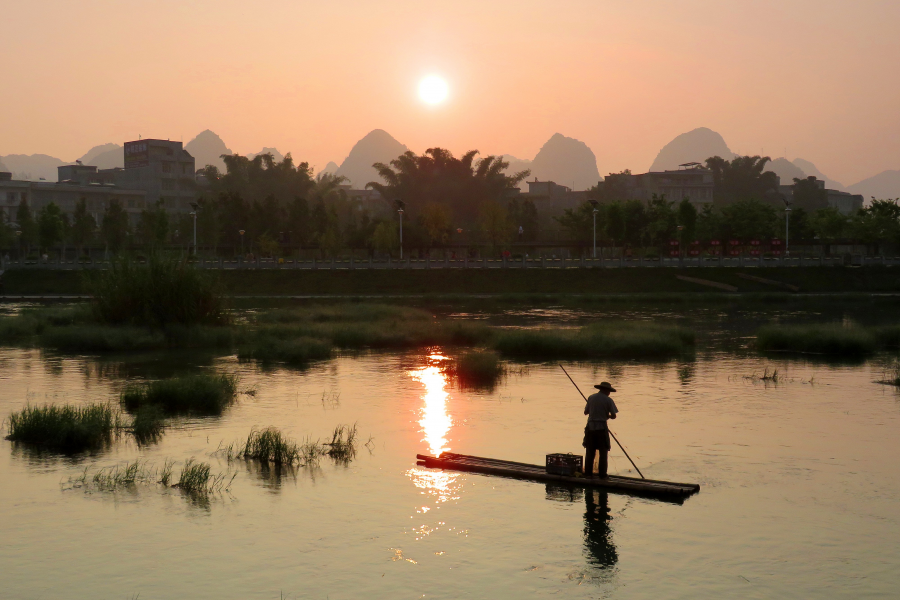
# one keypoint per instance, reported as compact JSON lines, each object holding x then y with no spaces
{"x":597,"y":439}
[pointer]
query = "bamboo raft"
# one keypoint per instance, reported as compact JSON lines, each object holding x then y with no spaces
{"x":504,"y":468}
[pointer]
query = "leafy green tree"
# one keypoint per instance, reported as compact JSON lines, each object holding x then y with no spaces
{"x":435,"y":220}
{"x":879,"y":222}
{"x":749,"y":219}
{"x":51,"y":225}
{"x":615,"y":222}
{"x":801,"y":227}
{"x":710,"y":224}
{"x":494,"y":223}
{"x":828,"y":224}
{"x":523,"y":213}
{"x":27,"y":226}
{"x":114,"y":228}
{"x":687,"y":218}
{"x":298,"y":221}
{"x":635,"y":214}
{"x":741,"y":179}
{"x":385,"y":238}
{"x":83,"y":226}
{"x":579,"y":222}
{"x":153,"y":226}
{"x":662,"y":220}
{"x":466,"y":187}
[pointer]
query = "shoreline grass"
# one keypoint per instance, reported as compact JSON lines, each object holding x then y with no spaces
{"x":191,"y":394}
{"x":65,"y":428}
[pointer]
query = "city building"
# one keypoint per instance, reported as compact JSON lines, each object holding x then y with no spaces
{"x":162,"y":168}
{"x":551,"y":199}
{"x":66,"y":194}
{"x":844,"y":202}
{"x":690,"y":180}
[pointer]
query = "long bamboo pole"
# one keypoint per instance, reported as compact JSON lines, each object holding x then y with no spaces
{"x":607,"y":427}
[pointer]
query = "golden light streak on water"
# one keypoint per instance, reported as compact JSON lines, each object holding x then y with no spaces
{"x":435,"y":422}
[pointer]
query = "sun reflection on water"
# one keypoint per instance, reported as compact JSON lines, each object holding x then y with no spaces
{"x":435,"y":423}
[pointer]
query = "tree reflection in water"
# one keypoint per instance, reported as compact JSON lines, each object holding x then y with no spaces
{"x":598,"y":543}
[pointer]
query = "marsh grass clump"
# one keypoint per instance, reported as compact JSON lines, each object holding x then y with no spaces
{"x":102,"y":338}
{"x":271,"y":446}
{"x":891,"y":375}
{"x":34,"y":321}
{"x":477,"y":369}
{"x":342,"y":446}
{"x":298,"y":351}
{"x":161,"y":292}
{"x":633,"y":339}
{"x":65,"y":428}
{"x":190,"y":394}
{"x":197,"y":479}
{"x":824,"y":338}
{"x":119,"y":476}
{"x":148,"y":423}
{"x":268,"y":445}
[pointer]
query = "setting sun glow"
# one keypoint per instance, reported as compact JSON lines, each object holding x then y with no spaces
{"x":433,"y":89}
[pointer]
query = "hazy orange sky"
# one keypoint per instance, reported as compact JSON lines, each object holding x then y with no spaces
{"x":817,"y":79}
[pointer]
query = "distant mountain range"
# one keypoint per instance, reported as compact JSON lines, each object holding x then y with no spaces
{"x":883,"y":186}
{"x":701,"y":143}
{"x":565,"y":160}
{"x":207,"y":149}
{"x":376,"y":146}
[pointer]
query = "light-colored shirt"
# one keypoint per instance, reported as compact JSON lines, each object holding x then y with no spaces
{"x":599,"y":407}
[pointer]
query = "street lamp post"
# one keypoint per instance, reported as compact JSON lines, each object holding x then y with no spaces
{"x":194,"y":214}
{"x":595,"y":211}
{"x":241,"y":232}
{"x":400,"y":212}
{"x":787,"y":230}
{"x":680,"y":245}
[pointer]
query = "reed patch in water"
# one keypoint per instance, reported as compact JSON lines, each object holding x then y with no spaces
{"x":270,"y":445}
{"x":632,"y":339}
{"x":65,"y":428}
{"x":191,"y":394}
{"x":148,"y":423}
{"x":477,"y":369}
{"x":833,"y":339}
{"x":197,"y":478}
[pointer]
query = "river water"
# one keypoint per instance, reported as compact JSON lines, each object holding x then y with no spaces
{"x":800,"y":491}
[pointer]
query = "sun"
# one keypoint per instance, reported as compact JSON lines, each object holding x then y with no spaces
{"x":433,"y":89}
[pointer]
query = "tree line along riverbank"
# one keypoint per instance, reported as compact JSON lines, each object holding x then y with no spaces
{"x":812,"y":280}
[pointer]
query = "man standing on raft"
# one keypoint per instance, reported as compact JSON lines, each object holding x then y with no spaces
{"x":599,"y":408}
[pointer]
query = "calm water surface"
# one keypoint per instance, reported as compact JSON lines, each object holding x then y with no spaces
{"x":800,"y":497}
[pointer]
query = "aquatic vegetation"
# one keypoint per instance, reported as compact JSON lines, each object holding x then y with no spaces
{"x":203,"y":394}
{"x":65,"y":428}
{"x":197,"y":478}
{"x":342,"y":446}
{"x":632,"y":339}
{"x":477,"y":369}
{"x":822,"y":338}
{"x":891,"y":375}
{"x":294,"y":351}
{"x":34,"y":321}
{"x":157,"y":293}
{"x":270,"y":445}
{"x":102,"y":338}
{"x":148,"y":423}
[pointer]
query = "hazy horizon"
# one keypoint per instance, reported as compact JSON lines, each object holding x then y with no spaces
{"x":814,"y":80}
